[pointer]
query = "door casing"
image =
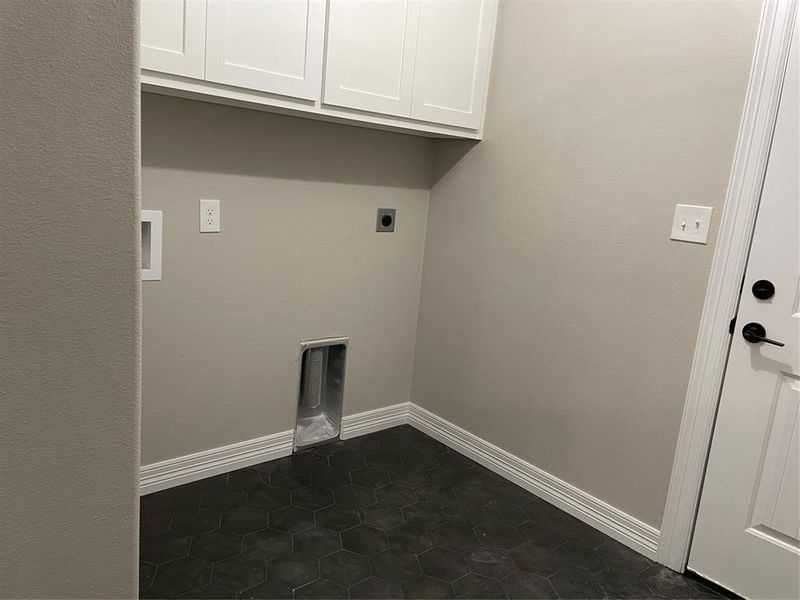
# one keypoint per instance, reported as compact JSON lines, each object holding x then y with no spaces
{"x":727,"y":270}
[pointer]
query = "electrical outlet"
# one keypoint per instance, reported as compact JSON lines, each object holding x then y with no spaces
{"x":209,"y":216}
{"x":385,"y":220}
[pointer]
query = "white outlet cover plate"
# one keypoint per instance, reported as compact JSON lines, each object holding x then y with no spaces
{"x":691,"y":223}
{"x":209,"y":216}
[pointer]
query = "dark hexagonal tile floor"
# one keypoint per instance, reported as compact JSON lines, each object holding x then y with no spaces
{"x":364,"y":540}
{"x":392,"y":514}
{"x":317,"y":542}
{"x":344,"y":567}
{"x":266,"y":544}
{"x":216,"y":545}
{"x":245,"y":520}
{"x":428,"y":587}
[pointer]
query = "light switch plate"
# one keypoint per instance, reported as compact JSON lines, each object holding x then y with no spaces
{"x":209,"y":216}
{"x":691,"y":223}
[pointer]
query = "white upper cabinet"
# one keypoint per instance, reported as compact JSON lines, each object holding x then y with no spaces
{"x":272,"y":46}
{"x":369,"y":62}
{"x":452,"y":63}
{"x":411,"y":65}
{"x":173,"y":36}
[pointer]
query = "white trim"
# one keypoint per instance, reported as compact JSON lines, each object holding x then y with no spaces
{"x":727,"y":270}
{"x":209,"y":91}
{"x":374,"y":420}
{"x":184,"y":469}
{"x":610,"y":520}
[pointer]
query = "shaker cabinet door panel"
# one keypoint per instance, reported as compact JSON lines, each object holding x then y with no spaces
{"x":413,"y":65}
{"x":370,"y":55}
{"x":271,"y":46}
{"x":452,"y":62}
{"x":173,"y":36}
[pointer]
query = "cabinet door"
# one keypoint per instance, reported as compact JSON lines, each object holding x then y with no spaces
{"x":173,"y":36}
{"x":452,"y":64}
{"x":369,"y":61}
{"x":267,"y":45}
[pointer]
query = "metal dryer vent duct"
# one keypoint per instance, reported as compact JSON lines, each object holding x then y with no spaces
{"x":321,"y":391}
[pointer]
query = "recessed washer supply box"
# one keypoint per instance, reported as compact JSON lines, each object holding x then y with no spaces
{"x":320,"y":391}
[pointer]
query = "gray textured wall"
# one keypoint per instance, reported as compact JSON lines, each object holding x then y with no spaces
{"x":557,"y":320}
{"x":297,"y":258}
{"x":69,"y":299}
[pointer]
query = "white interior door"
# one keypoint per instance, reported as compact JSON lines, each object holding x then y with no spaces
{"x":369,"y":59}
{"x":450,"y":86}
{"x":173,"y":36}
{"x":747,"y":535}
{"x":268,"y":45}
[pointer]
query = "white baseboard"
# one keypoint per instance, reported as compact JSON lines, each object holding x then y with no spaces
{"x":184,"y":469}
{"x":375,"y":420}
{"x":610,"y":520}
{"x":192,"y":467}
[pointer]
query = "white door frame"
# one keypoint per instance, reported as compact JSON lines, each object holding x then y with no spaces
{"x":724,"y":286}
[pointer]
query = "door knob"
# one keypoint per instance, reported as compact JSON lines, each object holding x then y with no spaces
{"x":763,"y":289}
{"x":755,"y":334}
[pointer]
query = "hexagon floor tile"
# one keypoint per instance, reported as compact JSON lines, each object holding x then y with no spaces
{"x":392,"y":514}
